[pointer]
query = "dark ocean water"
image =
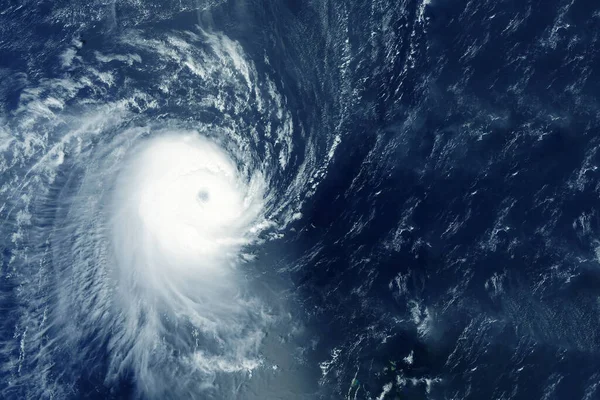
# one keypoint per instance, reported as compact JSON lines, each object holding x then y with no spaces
{"x":432,"y":197}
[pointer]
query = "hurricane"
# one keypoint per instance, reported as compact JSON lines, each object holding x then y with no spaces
{"x":141,"y":223}
{"x":299,"y":199}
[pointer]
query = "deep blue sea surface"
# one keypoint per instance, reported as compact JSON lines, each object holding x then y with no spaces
{"x":349,"y":199}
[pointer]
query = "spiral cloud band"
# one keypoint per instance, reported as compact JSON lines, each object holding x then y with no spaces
{"x":180,"y":213}
{"x":136,"y":204}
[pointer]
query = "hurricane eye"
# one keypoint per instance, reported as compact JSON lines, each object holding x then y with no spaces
{"x":203,"y":196}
